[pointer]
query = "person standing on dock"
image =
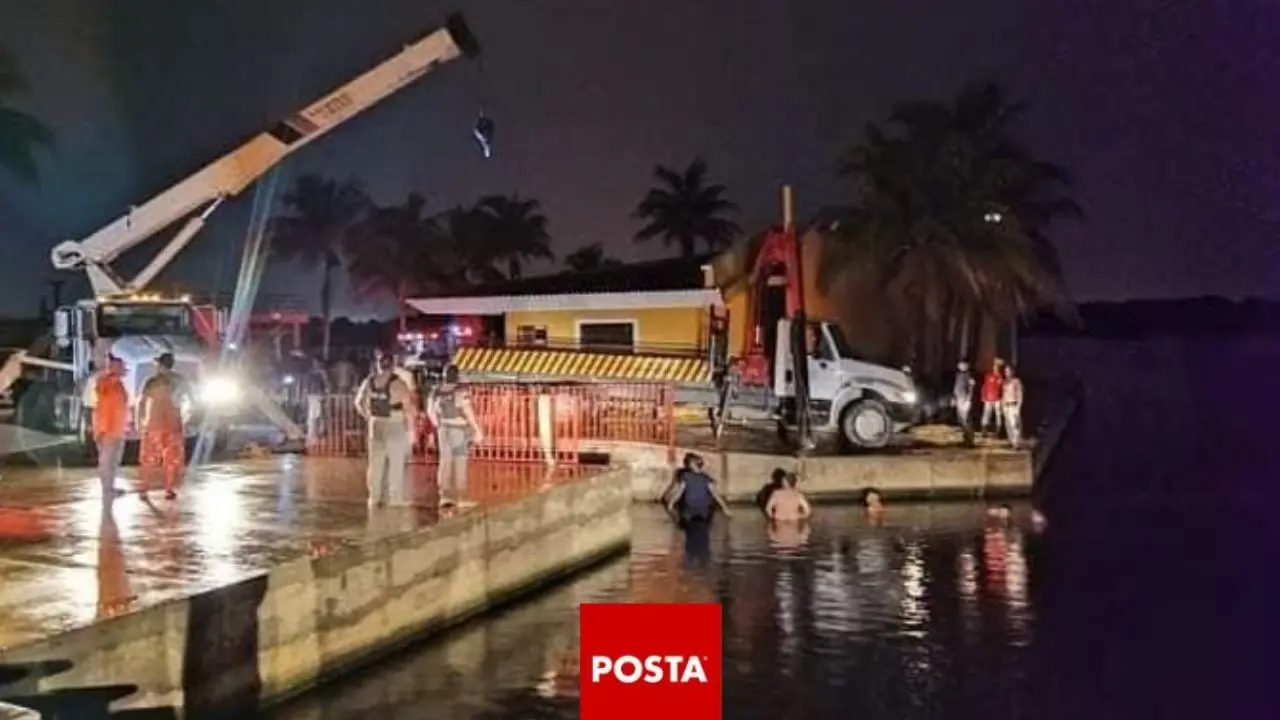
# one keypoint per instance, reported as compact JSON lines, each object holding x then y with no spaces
{"x":163,"y":449}
{"x":992,"y":387}
{"x":450,"y":413}
{"x":962,"y":397}
{"x":109,"y":400}
{"x":1011,"y":405}
{"x":387,"y":405}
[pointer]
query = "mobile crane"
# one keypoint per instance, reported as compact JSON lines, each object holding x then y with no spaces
{"x":121,"y":319}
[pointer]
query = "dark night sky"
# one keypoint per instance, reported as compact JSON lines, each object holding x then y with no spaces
{"x":1167,"y":113}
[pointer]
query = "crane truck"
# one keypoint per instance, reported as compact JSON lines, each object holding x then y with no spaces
{"x":126,"y":321}
{"x":863,"y":404}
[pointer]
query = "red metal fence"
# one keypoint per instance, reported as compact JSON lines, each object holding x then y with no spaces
{"x":520,"y":422}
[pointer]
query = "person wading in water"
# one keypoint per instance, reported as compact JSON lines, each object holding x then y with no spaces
{"x":449,"y":410}
{"x":691,"y":463}
{"x":694,"y":502}
{"x":788,"y":504}
{"x":387,"y":404}
{"x":162,"y":451}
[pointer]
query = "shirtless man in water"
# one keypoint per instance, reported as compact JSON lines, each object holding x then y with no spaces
{"x":787,"y":503}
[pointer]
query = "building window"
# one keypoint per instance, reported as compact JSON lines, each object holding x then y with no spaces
{"x":531,"y":335}
{"x":607,"y":336}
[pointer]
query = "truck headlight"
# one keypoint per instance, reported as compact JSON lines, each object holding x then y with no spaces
{"x":910,"y":397}
{"x":219,"y":391}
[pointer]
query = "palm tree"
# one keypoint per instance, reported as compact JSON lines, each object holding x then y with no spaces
{"x":398,"y":251}
{"x":516,"y":231}
{"x":20,"y":133}
{"x":949,"y":217}
{"x":683,"y":210}
{"x":320,"y":216}
{"x":589,"y":257}
{"x":466,"y":231}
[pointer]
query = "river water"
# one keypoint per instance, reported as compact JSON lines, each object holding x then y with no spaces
{"x":1151,"y":594}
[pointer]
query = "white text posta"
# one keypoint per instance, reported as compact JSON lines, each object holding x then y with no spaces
{"x":630,"y":669}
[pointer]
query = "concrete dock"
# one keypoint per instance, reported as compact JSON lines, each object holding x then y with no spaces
{"x":265,"y":577}
{"x":929,"y":465}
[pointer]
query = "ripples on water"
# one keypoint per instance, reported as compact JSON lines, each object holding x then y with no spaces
{"x":928,"y":611}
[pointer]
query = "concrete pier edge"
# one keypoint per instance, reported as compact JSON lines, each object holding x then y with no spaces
{"x":945,"y":474}
{"x":262,"y":640}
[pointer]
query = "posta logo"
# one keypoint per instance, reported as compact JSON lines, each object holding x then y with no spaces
{"x":646,"y":661}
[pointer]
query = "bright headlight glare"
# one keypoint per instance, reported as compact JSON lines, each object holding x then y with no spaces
{"x":910,"y":397}
{"x":219,"y":391}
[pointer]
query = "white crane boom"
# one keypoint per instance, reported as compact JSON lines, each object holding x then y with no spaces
{"x":229,"y":175}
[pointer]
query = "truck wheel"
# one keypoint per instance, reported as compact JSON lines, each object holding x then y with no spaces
{"x":866,"y":425}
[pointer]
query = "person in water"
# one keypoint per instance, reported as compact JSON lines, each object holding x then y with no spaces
{"x":692,"y":463}
{"x":787,"y":503}
{"x":695,"y":498}
{"x":768,"y":489}
{"x":872,"y":503}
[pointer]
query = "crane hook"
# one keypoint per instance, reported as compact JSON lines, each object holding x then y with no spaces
{"x":483,"y":133}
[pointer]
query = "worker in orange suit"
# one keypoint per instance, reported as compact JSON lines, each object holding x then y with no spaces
{"x":110,"y":403}
{"x":160,"y":412}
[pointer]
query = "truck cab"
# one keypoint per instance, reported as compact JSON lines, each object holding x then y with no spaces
{"x":864,"y":403}
{"x":137,"y":329}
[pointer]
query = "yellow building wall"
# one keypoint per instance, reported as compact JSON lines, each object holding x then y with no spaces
{"x":655,"y":327}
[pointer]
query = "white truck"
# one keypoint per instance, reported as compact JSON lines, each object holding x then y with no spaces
{"x":862,"y":404}
{"x":49,"y":380}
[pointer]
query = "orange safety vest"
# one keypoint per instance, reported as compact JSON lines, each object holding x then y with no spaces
{"x":111,"y":415}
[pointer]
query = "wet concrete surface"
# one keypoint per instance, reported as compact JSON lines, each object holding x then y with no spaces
{"x":67,"y":559}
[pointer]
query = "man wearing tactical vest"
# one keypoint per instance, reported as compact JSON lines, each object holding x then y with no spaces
{"x":388,"y":406}
{"x":449,"y":409}
{"x":163,"y":449}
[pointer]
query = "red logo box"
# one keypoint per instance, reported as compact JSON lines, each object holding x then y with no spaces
{"x":651,"y":660}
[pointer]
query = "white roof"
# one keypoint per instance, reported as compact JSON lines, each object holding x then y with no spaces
{"x":499,"y":304}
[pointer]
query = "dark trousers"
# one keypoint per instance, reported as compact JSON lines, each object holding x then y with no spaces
{"x":697,"y":537}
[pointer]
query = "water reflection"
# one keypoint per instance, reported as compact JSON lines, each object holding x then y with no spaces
{"x":921,"y":614}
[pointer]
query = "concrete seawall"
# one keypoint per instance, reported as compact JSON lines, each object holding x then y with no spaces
{"x":936,"y":474}
{"x":238,"y":647}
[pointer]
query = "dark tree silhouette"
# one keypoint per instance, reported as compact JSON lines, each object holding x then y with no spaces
{"x":319,"y":217}
{"x":466,"y":231}
{"x":399,"y":251}
{"x":589,"y":257}
{"x":515,"y":231}
{"x":21,"y":134}
{"x":950,"y":214}
{"x":683,"y":210}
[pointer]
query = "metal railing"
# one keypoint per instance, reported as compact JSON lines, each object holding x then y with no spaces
{"x":548,"y":423}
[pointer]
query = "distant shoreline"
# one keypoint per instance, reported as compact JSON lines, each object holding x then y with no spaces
{"x":1191,"y":317}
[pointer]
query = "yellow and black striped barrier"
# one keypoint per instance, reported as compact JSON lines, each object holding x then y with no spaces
{"x":581,"y":365}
